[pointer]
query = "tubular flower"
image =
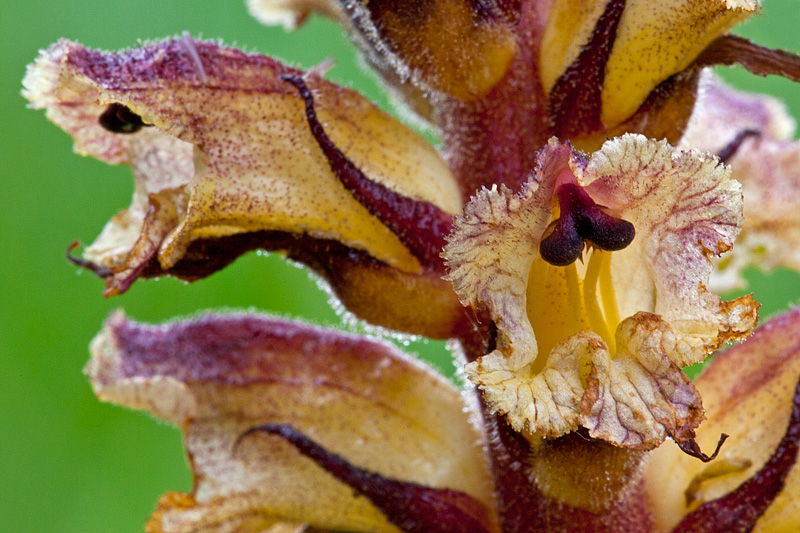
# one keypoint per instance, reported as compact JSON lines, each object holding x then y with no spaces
{"x":224,"y":162}
{"x":218,"y":376}
{"x":581,"y":263}
{"x":605,"y":351}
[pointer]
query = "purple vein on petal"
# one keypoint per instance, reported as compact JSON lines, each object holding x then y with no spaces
{"x":740,"y":509}
{"x":420,"y":225}
{"x":411,"y":507}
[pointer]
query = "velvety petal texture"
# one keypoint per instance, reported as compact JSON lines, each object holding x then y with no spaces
{"x":767,"y":163}
{"x":637,"y":61}
{"x":600,"y":343}
{"x":416,"y":40}
{"x":229,"y":151}
{"x":747,"y":391}
{"x":218,"y":376}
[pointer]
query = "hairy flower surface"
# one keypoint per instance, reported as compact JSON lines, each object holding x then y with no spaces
{"x":264,"y":405}
{"x":580,"y":244}
{"x":230,"y":165}
{"x":601,"y":344}
{"x":218,"y":376}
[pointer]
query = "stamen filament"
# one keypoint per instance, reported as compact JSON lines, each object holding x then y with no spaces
{"x":575,"y":310}
{"x":609,"y":297}
{"x":590,"y":286}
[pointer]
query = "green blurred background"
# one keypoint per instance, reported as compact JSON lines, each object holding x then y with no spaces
{"x":67,"y":462}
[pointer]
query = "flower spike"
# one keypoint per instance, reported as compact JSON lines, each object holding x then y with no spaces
{"x":420,"y":225}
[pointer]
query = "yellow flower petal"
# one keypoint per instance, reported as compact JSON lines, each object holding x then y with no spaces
{"x":218,"y":376}
{"x":654,"y":40}
{"x":747,"y":391}
{"x":232,"y":138}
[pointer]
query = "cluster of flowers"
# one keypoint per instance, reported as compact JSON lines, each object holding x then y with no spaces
{"x":567,"y":234}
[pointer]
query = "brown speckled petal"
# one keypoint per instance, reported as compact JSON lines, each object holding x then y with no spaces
{"x":748,"y":393}
{"x":219,"y":375}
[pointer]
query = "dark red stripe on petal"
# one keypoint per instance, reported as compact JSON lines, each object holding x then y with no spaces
{"x":759,"y":60}
{"x":741,"y":509}
{"x":575,"y":101}
{"x":411,"y":507}
{"x":732,"y":148}
{"x":420,"y":226}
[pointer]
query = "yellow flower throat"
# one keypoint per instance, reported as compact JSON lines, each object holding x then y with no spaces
{"x":562,"y":301}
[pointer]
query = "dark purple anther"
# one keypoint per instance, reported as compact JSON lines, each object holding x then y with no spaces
{"x":411,"y":507}
{"x":119,"y":119}
{"x":581,"y":220}
{"x":421,"y":226}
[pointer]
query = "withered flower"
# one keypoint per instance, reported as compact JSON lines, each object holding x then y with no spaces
{"x":582,"y":261}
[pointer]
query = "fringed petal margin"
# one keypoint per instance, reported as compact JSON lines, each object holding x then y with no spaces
{"x":601,"y":344}
{"x":757,"y":135}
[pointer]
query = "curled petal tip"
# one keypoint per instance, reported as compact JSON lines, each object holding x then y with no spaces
{"x":99,"y":270}
{"x":690,"y":447}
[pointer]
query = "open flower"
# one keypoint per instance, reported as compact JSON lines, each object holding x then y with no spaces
{"x":601,"y":345}
{"x":584,"y":276}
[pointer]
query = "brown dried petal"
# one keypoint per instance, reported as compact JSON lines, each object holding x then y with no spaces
{"x":220,"y":375}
